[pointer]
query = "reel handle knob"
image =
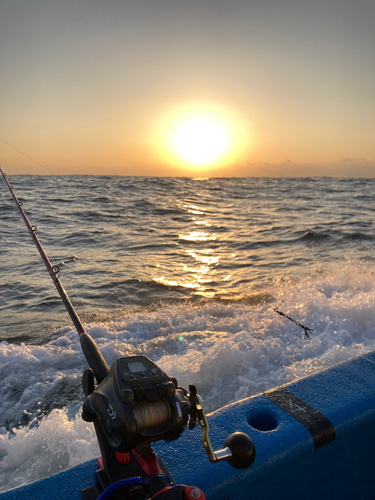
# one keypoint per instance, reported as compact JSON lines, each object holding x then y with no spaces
{"x":242,"y":449}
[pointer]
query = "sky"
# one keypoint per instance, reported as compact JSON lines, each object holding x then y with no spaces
{"x":273,"y":88}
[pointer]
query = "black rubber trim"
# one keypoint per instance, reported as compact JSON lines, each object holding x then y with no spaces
{"x":315,"y":422}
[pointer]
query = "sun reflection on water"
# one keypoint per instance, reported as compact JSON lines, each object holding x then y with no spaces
{"x":167,"y":282}
{"x":197,"y":236}
{"x":192,"y":209}
{"x":199,"y":255}
{"x":205,"y":256}
{"x":201,"y":222}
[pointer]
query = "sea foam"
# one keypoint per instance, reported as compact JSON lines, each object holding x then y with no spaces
{"x":228,"y":350}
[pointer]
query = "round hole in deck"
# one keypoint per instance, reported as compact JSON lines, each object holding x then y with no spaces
{"x":263,"y":421}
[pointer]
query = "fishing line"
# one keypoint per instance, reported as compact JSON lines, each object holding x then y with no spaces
{"x":90,"y":309}
{"x":29,"y":157}
{"x":52,"y":172}
{"x":151,"y":414}
{"x":71,"y":289}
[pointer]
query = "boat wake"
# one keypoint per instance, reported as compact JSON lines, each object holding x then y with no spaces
{"x":228,"y":350}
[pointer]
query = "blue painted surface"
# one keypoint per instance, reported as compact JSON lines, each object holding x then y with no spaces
{"x":286,"y":465}
{"x":66,"y":485}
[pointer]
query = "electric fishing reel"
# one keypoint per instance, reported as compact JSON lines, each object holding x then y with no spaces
{"x":138,"y":404}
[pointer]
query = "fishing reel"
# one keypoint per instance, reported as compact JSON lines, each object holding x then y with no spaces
{"x":135,"y":404}
{"x":138,"y":404}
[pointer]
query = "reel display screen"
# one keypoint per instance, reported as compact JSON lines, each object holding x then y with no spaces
{"x":136,"y":366}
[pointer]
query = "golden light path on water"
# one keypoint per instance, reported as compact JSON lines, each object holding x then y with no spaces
{"x":207,"y":258}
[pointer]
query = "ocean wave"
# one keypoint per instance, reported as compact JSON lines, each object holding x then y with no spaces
{"x":313,"y":236}
{"x":201,"y":304}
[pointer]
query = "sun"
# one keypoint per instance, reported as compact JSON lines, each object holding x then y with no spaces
{"x":200,"y":140}
{"x":199,"y":135}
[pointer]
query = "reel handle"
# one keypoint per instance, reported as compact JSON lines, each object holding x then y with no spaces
{"x":242,"y":450}
{"x":239,"y":449}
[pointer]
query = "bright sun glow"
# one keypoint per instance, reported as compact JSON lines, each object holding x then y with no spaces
{"x":200,"y":135}
{"x":200,"y":140}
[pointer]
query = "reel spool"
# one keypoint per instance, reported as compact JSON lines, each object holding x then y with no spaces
{"x":151,"y":415}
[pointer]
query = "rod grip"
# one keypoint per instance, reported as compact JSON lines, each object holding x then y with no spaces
{"x":94,"y":357}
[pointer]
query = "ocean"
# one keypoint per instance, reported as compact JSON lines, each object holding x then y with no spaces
{"x":186,"y":271}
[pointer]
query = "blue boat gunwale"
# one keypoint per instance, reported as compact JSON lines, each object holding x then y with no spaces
{"x":344,"y":393}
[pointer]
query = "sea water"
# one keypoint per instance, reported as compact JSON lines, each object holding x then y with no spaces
{"x":186,"y":271}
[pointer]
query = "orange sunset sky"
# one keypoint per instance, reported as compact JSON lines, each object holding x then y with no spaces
{"x":200,"y":87}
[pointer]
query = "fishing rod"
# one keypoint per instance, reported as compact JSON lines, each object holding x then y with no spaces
{"x":90,"y":349}
{"x":134,"y":404}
